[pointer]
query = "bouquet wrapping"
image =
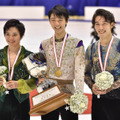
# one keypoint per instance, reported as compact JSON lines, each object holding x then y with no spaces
{"x":104,"y":80}
{"x":37,"y":66}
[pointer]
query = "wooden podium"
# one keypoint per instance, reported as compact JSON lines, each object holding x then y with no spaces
{"x":49,"y":100}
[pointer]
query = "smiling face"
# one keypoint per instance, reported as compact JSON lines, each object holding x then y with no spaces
{"x":103,"y":27}
{"x":13,"y":37}
{"x":58,"y":24}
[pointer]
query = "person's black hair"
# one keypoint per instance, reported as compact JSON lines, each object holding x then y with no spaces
{"x":109,"y":17}
{"x":14,"y":23}
{"x":59,"y":11}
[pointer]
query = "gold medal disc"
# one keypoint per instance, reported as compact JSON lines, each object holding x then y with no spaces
{"x":58,"y":72}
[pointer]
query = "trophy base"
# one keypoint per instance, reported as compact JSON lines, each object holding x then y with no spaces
{"x":52,"y":103}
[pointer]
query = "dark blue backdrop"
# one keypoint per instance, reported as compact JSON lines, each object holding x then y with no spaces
{"x":75,"y":7}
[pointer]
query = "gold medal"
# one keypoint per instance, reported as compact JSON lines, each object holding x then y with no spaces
{"x":58,"y":72}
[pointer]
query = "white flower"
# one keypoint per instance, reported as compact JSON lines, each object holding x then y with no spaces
{"x":3,"y":70}
{"x":78,"y":102}
{"x":104,"y":80}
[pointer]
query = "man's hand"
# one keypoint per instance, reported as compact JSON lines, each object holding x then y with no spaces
{"x":11,"y":84}
{"x":97,"y":91}
{"x":40,"y":80}
{"x":1,"y":80}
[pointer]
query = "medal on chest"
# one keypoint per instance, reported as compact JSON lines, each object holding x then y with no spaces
{"x":100,"y":78}
{"x":103,"y":66}
{"x":58,"y":72}
{"x":11,"y":68}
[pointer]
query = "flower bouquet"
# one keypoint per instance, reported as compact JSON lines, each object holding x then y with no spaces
{"x":104,"y":80}
{"x":3,"y":72}
{"x":78,"y":102}
{"x":36,"y":66}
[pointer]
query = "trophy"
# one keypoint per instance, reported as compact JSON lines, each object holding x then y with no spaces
{"x":50,"y":94}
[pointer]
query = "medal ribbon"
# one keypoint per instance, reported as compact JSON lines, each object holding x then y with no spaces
{"x":12,"y":71}
{"x":58,"y":63}
{"x":106,"y":56}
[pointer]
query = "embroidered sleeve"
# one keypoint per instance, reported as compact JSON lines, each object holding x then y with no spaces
{"x":88,"y":68}
{"x":79,"y":66}
{"x":25,"y":86}
{"x":115,"y":85}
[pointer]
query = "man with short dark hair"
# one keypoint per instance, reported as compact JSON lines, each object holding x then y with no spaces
{"x":65,"y":59}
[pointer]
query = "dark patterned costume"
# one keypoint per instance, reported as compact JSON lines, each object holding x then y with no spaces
{"x":108,"y":106}
{"x":15,"y":106}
